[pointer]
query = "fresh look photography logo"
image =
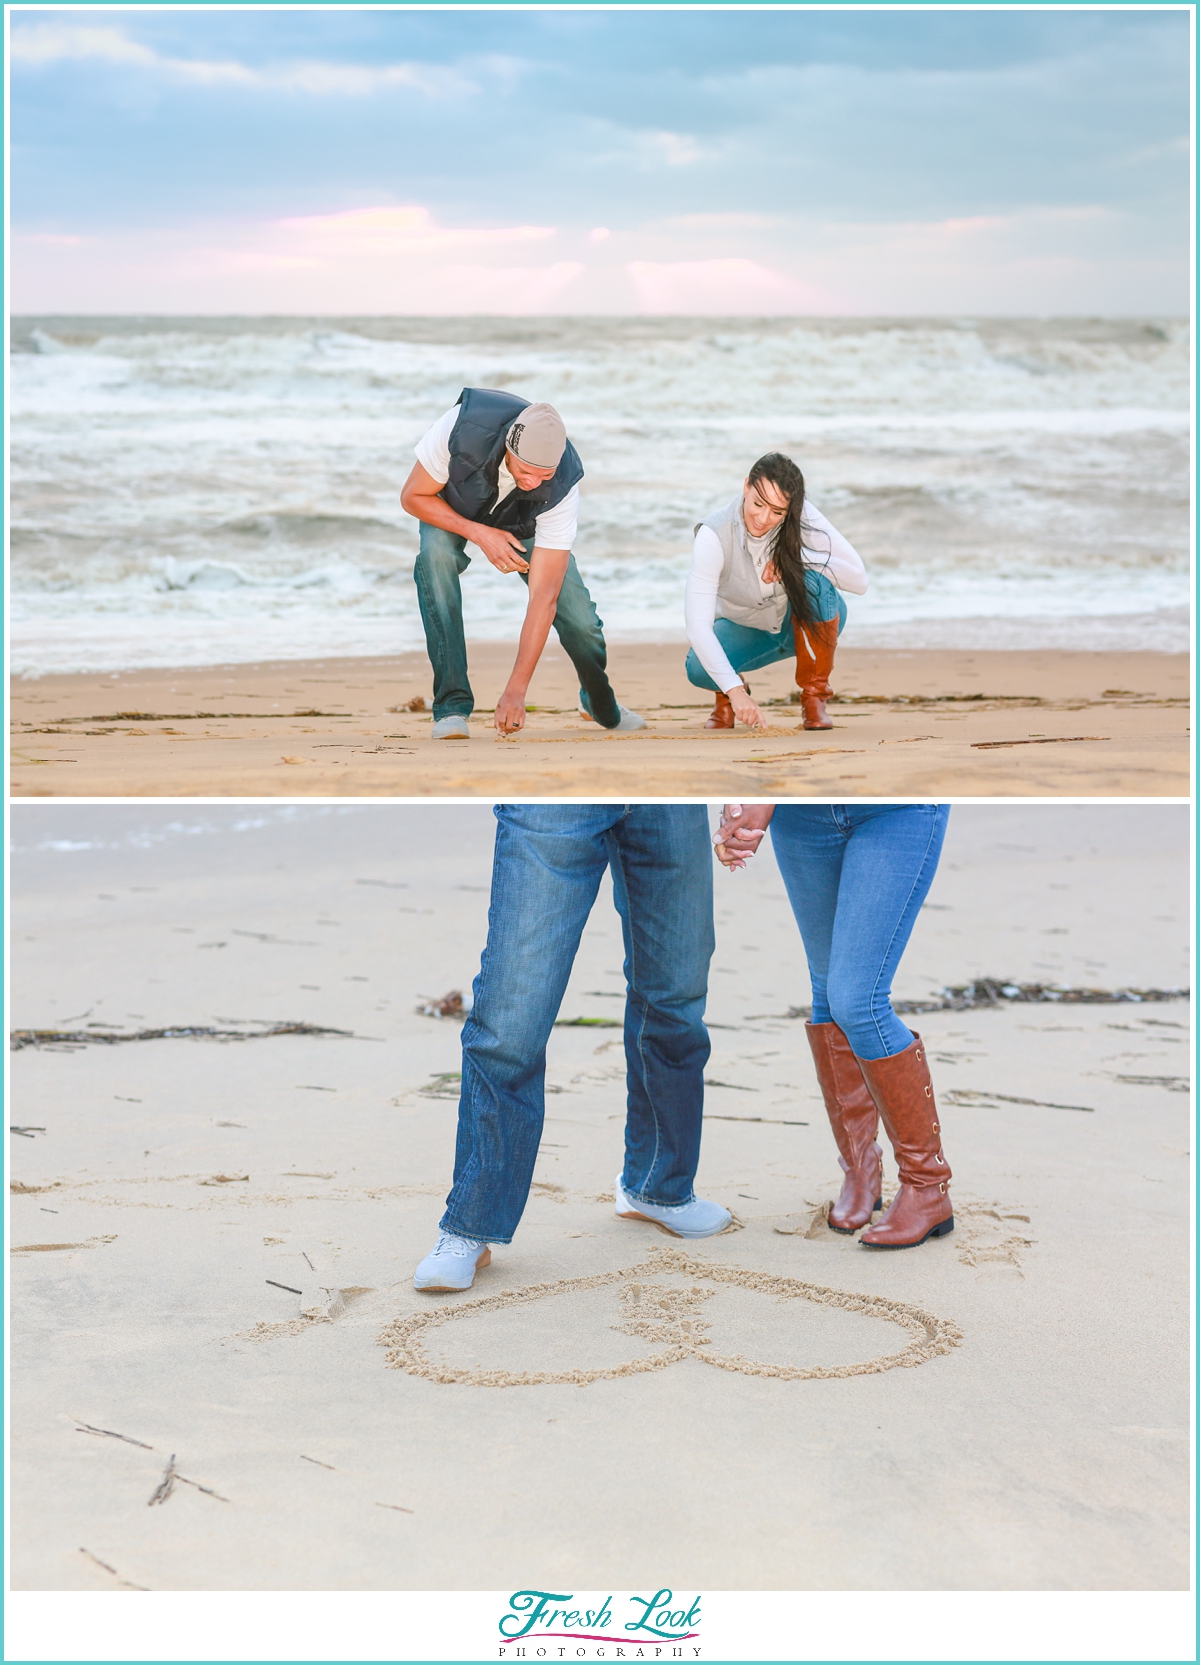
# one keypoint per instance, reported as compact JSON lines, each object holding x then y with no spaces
{"x":543,"y":1624}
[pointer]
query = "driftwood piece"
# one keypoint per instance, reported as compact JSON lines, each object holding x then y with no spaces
{"x":86,"y":1428}
{"x":166,"y":1485}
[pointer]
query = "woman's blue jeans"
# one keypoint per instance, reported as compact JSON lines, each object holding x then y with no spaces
{"x":856,"y":876}
{"x":549,"y":861}
{"x":440,"y":564}
{"x":749,"y":650}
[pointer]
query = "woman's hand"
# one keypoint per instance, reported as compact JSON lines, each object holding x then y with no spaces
{"x":745,"y":710}
{"x":510,"y":712}
{"x":741,"y":832}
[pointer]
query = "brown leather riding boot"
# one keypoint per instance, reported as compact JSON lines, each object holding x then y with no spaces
{"x":855,"y":1122}
{"x":903,"y":1094}
{"x":816,"y":645}
{"x":721,"y":715}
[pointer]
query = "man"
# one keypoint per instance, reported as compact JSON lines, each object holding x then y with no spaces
{"x":548,"y":865}
{"x":499,"y":472}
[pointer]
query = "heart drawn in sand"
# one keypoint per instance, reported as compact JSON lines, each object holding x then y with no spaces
{"x":673,"y":1319}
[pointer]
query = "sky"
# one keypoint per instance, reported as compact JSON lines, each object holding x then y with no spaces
{"x":723,"y":161}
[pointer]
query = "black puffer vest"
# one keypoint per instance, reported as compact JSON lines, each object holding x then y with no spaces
{"x":476,"y":452}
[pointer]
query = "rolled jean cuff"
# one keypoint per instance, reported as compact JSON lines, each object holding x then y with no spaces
{"x":653,"y":1202}
{"x":446,"y":1224}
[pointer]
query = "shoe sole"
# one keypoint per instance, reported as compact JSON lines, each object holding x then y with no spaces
{"x":649,"y":1222}
{"x":848,"y":1231}
{"x":450,"y":737}
{"x":485,"y":1259}
{"x":943,"y":1229}
{"x":684,"y":1236}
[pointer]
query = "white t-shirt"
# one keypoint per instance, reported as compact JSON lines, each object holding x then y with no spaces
{"x":555,"y":529}
{"x":841,"y":564}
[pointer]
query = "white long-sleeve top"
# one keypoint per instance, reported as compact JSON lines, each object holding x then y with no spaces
{"x":841,"y":564}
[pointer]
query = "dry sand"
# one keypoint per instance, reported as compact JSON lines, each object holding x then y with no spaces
{"x":1036,"y":1438}
{"x":908,"y":724}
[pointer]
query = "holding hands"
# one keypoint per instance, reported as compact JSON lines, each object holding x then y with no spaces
{"x":741,"y":832}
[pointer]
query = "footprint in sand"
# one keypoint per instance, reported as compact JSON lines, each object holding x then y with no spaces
{"x":992,"y":1237}
{"x":667,"y":1309}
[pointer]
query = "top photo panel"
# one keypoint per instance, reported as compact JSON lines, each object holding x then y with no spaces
{"x":572,"y":403}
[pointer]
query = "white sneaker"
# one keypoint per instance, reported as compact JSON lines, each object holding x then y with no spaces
{"x":451,"y":728}
{"x":630,"y":721}
{"x":451,"y":1264}
{"x":697,"y":1218}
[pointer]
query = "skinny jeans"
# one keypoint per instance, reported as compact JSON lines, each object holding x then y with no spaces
{"x":748,"y":649}
{"x":439,"y":567}
{"x":856,"y":876}
{"x":549,"y":861}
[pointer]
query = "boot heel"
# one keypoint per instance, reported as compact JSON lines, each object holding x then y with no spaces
{"x":945,"y":1227}
{"x":878,"y":1203}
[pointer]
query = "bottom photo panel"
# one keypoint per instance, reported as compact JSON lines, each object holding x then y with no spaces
{"x":614,"y":1197}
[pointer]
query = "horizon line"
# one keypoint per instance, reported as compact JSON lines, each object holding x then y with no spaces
{"x":716,"y":317}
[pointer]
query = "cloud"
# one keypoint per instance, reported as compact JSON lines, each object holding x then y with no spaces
{"x":720,"y":287}
{"x":390,"y":230}
{"x":724,"y":222}
{"x":509,"y":290}
{"x":647,"y":149}
{"x":54,"y":239}
{"x":1085,"y":258}
{"x":374,"y":260}
{"x":677,"y":150}
{"x":47,"y":43}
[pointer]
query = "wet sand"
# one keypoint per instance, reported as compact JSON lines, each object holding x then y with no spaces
{"x":178,"y":1183}
{"x":906,"y":724}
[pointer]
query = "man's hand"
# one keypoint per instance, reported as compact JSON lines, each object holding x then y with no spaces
{"x":510,"y":712}
{"x":741,"y":832}
{"x":421,"y":496}
{"x":745,"y":710}
{"x":503,"y":550}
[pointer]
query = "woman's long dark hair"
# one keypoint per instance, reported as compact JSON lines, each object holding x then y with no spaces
{"x":787,"y":549}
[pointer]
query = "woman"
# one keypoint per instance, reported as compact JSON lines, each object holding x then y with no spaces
{"x":856,"y":876}
{"x":766,"y":570}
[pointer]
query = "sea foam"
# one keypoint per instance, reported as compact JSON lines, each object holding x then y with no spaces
{"x":187,"y":491}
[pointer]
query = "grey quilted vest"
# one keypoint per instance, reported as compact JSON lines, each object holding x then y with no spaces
{"x":740,"y":597}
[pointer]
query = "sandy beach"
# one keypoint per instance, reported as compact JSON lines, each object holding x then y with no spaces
{"x":920,"y":723}
{"x":1004,"y":1409}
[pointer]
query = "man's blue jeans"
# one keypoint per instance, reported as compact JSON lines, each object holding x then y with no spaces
{"x":856,"y":876}
{"x":442,"y":560}
{"x":548,"y":865}
{"x":749,"y":650}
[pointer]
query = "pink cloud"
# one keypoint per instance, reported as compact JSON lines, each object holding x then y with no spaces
{"x":400,"y":230}
{"x":721,"y":287}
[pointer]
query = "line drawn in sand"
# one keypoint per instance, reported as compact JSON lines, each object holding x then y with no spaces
{"x":671,"y":1317}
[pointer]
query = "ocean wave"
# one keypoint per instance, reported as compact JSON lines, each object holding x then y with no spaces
{"x":197,"y":475}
